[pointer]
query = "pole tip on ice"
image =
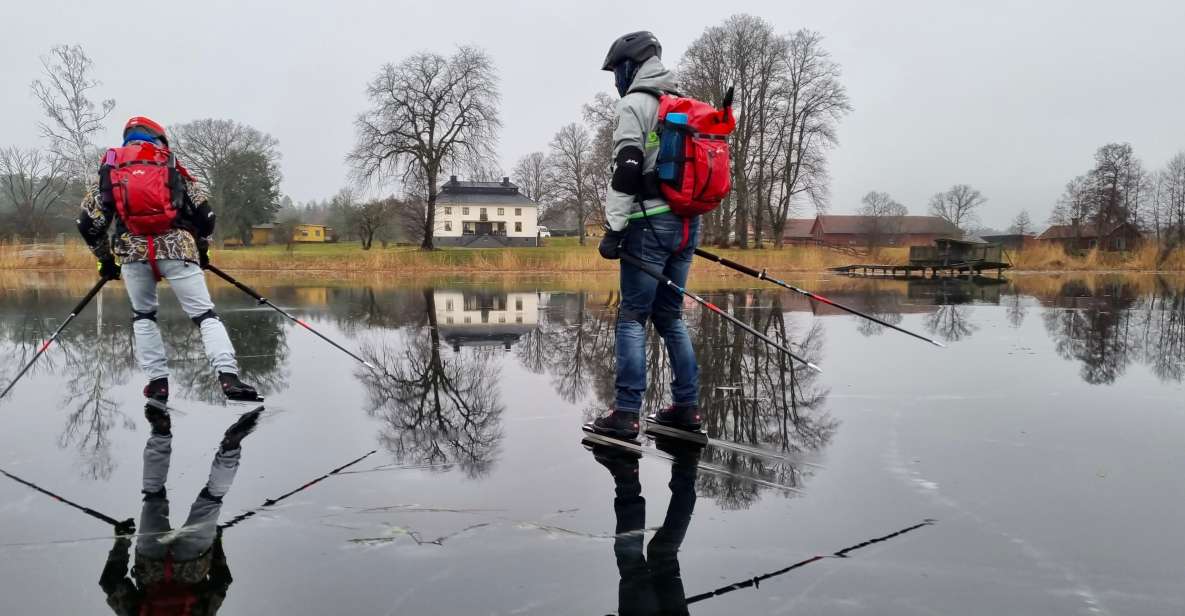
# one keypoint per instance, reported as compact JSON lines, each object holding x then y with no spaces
{"x":937,"y":344}
{"x":812,"y":366}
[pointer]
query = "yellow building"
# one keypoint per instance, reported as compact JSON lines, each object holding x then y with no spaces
{"x":312,"y":233}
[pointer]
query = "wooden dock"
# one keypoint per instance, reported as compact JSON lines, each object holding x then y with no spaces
{"x":947,"y":258}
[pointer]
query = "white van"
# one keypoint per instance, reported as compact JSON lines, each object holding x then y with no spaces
{"x":543,"y":232}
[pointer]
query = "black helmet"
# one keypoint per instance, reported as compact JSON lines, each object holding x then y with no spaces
{"x":636,"y":46}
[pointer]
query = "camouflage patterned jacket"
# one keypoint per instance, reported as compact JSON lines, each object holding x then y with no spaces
{"x":191,"y":232}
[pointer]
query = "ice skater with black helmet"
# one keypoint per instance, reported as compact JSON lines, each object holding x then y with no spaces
{"x":664,"y":178}
{"x":146,"y":219}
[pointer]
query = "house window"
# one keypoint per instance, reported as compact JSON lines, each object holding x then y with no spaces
{"x":448,"y":211}
{"x":484,"y":217}
{"x":448,"y":225}
{"x":518,"y":318}
{"x":469,"y":228}
{"x":518,"y":227}
{"x":449,"y":320}
{"x":518,"y":304}
{"x":464,"y":211}
{"x":518,"y":211}
{"x":317,"y":232}
{"x":304,"y":232}
{"x":448,"y":305}
{"x":501,"y":211}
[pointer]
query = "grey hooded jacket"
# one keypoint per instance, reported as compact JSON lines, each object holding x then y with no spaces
{"x":637,"y":120}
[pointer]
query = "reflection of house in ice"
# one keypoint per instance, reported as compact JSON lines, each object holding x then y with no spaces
{"x":480,"y":318}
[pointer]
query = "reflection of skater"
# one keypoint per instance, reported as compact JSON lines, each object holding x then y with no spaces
{"x":650,"y":585}
{"x":181,"y":571}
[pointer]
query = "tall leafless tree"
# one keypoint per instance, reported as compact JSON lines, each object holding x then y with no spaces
{"x":1022,"y":224}
{"x":600,"y":115}
{"x":811,"y":102}
{"x":428,"y":113}
{"x":570,"y":172}
{"x":64,"y":92}
{"x":530,"y":173}
{"x":959,"y":205}
{"x":33,"y":183}
{"x":744,"y":53}
{"x":205,"y":145}
{"x":884,"y":217}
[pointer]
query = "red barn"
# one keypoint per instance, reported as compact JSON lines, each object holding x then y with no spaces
{"x":842,"y":230}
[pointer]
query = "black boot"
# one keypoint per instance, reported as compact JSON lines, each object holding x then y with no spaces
{"x":157,"y":389}
{"x":158,"y":418}
{"x":617,"y":424}
{"x":234,"y":389}
{"x":681,"y":417}
{"x":239,"y":430}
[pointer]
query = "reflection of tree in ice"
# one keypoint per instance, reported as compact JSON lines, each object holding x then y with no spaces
{"x":950,"y":322}
{"x":93,"y":365}
{"x":1015,"y":309}
{"x":1095,"y":330}
{"x":749,"y":393}
{"x":440,"y":407}
{"x":261,"y":344}
{"x":884,"y":305}
{"x":1162,"y":325}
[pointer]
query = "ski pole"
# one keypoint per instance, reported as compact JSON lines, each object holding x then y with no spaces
{"x":756,"y":581}
{"x":87,"y":510}
{"x":264,"y":301}
{"x":73,"y":313}
{"x":762,"y":275}
{"x":662,"y":279}
{"x":272,"y":501}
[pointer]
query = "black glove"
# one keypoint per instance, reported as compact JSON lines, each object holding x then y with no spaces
{"x":108,"y":268}
{"x":126,"y":527}
{"x":203,"y":253}
{"x":612,"y":245}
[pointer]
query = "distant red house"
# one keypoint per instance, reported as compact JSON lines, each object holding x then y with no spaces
{"x":798,"y":231}
{"x":842,"y":230}
{"x":1123,"y":236}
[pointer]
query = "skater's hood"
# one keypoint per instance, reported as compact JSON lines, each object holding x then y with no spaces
{"x":653,"y":74}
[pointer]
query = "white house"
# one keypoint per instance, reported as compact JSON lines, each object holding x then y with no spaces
{"x":485,"y":318}
{"x":484,"y":215}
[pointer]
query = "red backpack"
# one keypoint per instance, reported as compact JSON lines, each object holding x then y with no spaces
{"x":145,"y":185}
{"x":694,"y":167}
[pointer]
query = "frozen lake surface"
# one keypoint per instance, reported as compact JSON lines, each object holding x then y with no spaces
{"x":1034,"y":464}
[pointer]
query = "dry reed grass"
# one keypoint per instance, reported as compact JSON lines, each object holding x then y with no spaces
{"x":558,"y":259}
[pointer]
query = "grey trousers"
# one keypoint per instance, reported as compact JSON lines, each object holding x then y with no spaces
{"x":189,"y":285}
{"x":201,"y":527}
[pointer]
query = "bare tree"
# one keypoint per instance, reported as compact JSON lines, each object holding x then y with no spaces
{"x":1022,"y":224}
{"x":745,"y":53}
{"x":810,"y":102}
{"x":1073,"y":205}
{"x":884,"y":217}
{"x":205,"y":145}
{"x":285,"y":229}
{"x":570,"y":172}
{"x":1171,"y":199}
{"x":601,"y":117}
{"x":530,"y":173}
{"x":958,"y":206}
{"x":428,"y":113}
{"x":64,"y":94}
{"x":34,"y":184}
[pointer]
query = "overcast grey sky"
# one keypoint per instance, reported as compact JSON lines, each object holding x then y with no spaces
{"x":1011,"y":97}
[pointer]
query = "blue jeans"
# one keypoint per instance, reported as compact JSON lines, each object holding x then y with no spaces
{"x":665,"y":243}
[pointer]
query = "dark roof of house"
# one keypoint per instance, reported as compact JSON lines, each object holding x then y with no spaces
{"x":798,"y":227}
{"x":1067,"y":232}
{"x":999,"y":237}
{"x":492,"y":193}
{"x":902,"y":225}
